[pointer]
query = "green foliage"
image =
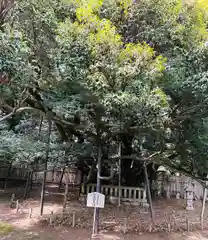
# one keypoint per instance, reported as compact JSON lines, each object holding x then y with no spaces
{"x":14,"y":65}
{"x":5,"y":228}
{"x":108,"y":70}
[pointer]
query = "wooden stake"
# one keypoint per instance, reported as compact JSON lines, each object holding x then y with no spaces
{"x":125,"y":226}
{"x":12,"y":200}
{"x":202,"y":224}
{"x":66,"y":187}
{"x":74,"y":219}
{"x":17,"y":205}
{"x":30,"y":213}
{"x":27,"y":185}
{"x":45,"y":165}
{"x":62,"y":214}
{"x":187,"y":224}
{"x":31,"y":180}
{"x":51,"y":218}
{"x":204,"y":203}
{"x":148,"y":192}
{"x":169,"y":224}
{"x":150,"y":228}
{"x":97,"y":210}
{"x":62,"y":174}
{"x":119,"y":176}
{"x":94,"y":223}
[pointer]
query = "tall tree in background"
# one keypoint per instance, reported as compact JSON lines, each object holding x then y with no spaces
{"x":134,"y":71}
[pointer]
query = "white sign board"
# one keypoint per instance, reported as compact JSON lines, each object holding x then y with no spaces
{"x":96,"y":200}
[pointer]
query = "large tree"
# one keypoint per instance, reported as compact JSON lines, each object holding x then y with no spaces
{"x":108,"y":71}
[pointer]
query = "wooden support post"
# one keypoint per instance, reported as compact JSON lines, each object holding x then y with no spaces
{"x":46,"y":164}
{"x":74,"y":219}
{"x":202,"y":224}
{"x":30,"y":213}
{"x":169,"y":224}
{"x":27,"y":184}
{"x":150,"y":228}
{"x":42,"y":194}
{"x":148,"y":192}
{"x":31,"y":180}
{"x":62,"y":214}
{"x":119,"y":176}
{"x":17,"y":206}
{"x":51,"y":218}
{"x":187,"y":224}
{"x":12,"y":200}
{"x":97,"y":211}
{"x":203,"y":203}
{"x":125,"y":226}
{"x":61,"y":179}
{"x":66,"y":187}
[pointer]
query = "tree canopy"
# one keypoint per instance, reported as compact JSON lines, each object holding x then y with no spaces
{"x":105,"y":72}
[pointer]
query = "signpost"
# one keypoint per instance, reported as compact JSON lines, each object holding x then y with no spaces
{"x":95,"y":200}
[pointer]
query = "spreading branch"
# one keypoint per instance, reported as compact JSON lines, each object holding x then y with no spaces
{"x":107,"y":177}
{"x":5,"y":8}
{"x":15,"y":111}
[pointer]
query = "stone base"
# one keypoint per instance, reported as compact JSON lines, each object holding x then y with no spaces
{"x":178,"y":196}
{"x":190,"y":208}
{"x":145,"y":204}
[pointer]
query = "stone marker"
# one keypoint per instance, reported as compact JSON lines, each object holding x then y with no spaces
{"x":189,"y":198}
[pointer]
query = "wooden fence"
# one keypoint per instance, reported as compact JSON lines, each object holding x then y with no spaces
{"x":13,"y":173}
{"x":135,"y":196}
{"x":55,"y":176}
{"x":178,"y":184}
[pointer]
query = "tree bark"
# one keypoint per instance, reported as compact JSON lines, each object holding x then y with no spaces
{"x":62,"y":175}
{"x":15,"y":111}
{"x":40,"y":125}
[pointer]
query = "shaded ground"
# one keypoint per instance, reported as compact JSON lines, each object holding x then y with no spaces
{"x":77,"y":234}
{"x":26,"y":228}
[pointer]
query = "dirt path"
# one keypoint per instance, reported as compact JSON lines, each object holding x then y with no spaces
{"x":77,"y":234}
{"x":27,"y":229}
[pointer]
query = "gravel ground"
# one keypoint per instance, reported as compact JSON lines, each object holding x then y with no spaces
{"x":75,"y":234}
{"x":170,"y":215}
{"x":112,"y":220}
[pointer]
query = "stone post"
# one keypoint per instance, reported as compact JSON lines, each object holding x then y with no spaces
{"x":189,"y":198}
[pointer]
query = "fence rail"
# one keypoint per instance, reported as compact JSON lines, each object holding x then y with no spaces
{"x":128,"y":194}
{"x":55,"y":176}
{"x":14,"y":173}
{"x":178,"y":184}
